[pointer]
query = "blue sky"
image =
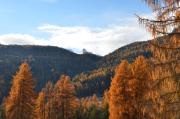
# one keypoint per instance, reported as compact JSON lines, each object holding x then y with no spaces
{"x":47,"y":22}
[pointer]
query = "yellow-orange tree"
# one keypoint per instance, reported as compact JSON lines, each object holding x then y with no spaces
{"x":64,"y":98}
{"x":40,"y":106}
{"x":48,"y":91}
{"x":120,"y":102}
{"x":167,"y":17}
{"x":166,"y":56}
{"x":20,"y":102}
{"x":44,"y":103}
{"x":130,"y":91}
{"x":57,"y":101}
{"x":141,"y":85}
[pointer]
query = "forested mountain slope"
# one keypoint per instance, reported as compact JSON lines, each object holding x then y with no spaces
{"x":48,"y":63}
{"x":128,"y":52}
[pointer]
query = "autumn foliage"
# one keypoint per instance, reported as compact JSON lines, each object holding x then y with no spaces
{"x":129,"y":90}
{"x":142,"y":89}
{"x":57,"y":101}
{"x":20,"y":102}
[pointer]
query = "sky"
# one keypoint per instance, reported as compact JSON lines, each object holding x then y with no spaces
{"x":99,"y":26}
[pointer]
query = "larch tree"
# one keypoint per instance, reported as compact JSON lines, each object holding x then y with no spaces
{"x":165,"y":29}
{"x":65,"y":98}
{"x":44,"y":108}
{"x":167,"y":17}
{"x":49,"y":93}
{"x":40,"y":106}
{"x":20,"y":102}
{"x":120,"y":96}
{"x":129,"y":95}
{"x":141,"y":84}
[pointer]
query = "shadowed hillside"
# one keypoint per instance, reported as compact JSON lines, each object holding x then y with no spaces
{"x":48,"y":63}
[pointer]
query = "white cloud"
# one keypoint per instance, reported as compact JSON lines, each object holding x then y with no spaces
{"x":21,"y":39}
{"x":97,"y":40}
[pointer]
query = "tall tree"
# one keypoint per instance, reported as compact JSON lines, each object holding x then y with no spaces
{"x":167,"y":17}
{"x":166,"y":57}
{"x":20,"y":102}
{"x":120,"y":101}
{"x":132,"y":92}
{"x":141,"y":84}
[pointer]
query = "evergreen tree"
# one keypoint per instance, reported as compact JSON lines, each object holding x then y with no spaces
{"x":20,"y":102}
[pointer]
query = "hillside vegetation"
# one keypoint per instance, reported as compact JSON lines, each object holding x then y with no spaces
{"x":48,"y":63}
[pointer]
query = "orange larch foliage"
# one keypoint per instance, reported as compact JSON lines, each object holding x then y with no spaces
{"x":120,"y":102}
{"x":65,"y":99}
{"x":20,"y":102}
{"x":48,"y":90}
{"x":40,"y":106}
{"x":129,"y":92}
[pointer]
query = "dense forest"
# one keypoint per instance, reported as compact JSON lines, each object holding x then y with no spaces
{"x":137,"y":81}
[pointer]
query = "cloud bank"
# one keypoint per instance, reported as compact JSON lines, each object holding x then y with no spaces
{"x":100,"y":40}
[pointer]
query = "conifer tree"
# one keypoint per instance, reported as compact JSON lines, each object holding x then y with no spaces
{"x":165,"y":47}
{"x":44,"y":108}
{"x":66,"y":101}
{"x":20,"y":102}
{"x":141,"y":84}
{"x":120,"y":98}
{"x":130,"y":91}
{"x":40,"y":106}
{"x":48,"y":91}
{"x":167,"y":17}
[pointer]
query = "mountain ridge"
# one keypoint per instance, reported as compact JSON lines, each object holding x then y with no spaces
{"x":49,"y":62}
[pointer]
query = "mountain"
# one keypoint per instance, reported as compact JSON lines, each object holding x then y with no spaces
{"x":128,"y":52}
{"x":98,"y":80}
{"x":84,"y":51}
{"x":48,"y":63}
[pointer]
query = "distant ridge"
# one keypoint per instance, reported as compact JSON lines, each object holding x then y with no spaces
{"x":128,"y":52}
{"x":49,"y":62}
